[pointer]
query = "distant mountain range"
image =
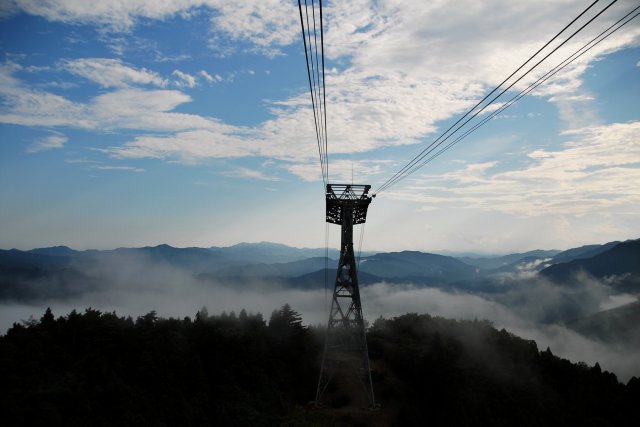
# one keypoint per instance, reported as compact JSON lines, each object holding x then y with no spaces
{"x":489,"y":263}
{"x":47,"y":272}
{"x":621,"y":260}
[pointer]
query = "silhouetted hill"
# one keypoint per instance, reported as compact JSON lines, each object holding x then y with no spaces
{"x":620,"y":326}
{"x":316,"y":279}
{"x":284,"y":270}
{"x":271,"y":253}
{"x":26,"y":276}
{"x":199,"y":260}
{"x":622,"y":260}
{"x":60,"y":272}
{"x":15,"y":259}
{"x":194,"y":259}
{"x":96,"y":368}
{"x":526,"y":264}
{"x":408,"y":264}
{"x":490,"y":263}
{"x":54,"y":251}
{"x":586,"y":251}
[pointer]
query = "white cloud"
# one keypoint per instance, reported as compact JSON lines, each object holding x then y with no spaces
{"x":389,"y":35}
{"x":118,"y":168}
{"x":29,"y":107}
{"x":596,"y":171}
{"x":47,"y":143}
{"x":340,"y":170}
{"x":124,"y":108}
{"x":207,"y":76}
{"x":143,"y":109}
{"x":190,"y":146}
{"x":112,"y":72}
{"x":264,"y":23}
{"x":391,"y":85}
{"x":37,"y":68}
{"x":184,"y":79}
{"x":81,"y":161}
{"x":251,"y":173}
{"x":267,"y":24}
{"x":576,"y":111}
{"x":118,"y":16}
{"x":159,"y":57}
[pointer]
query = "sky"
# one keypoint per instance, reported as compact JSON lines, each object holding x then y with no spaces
{"x":189,"y":122}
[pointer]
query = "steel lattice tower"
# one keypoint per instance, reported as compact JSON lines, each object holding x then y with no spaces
{"x":345,"y":349}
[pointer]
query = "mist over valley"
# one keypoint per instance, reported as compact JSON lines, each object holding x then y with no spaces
{"x":581,"y":303}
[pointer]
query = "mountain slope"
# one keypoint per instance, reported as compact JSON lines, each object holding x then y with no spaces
{"x":621,"y":260}
{"x":283,"y":270}
{"x":408,"y":264}
{"x":54,"y":251}
{"x":270,"y":253}
{"x":60,"y":271}
{"x":93,"y":368}
{"x":619,"y":325}
{"x":586,"y":251}
{"x":506,"y":260}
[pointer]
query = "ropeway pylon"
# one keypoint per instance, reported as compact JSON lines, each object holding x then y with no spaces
{"x":345,"y":353}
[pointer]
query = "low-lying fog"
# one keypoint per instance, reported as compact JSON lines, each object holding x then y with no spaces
{"x":525,"y":309}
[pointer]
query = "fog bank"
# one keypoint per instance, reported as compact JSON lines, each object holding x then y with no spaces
{"x":526,"y":308}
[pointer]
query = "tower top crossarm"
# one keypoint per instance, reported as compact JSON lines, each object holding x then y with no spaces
{"x":354,"y":198}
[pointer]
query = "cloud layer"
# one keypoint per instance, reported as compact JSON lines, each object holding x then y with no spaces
{"x":137,"y":285}
{"x":596,"y":169}
{"x":396,"y":73}
{"x":404,"y":67}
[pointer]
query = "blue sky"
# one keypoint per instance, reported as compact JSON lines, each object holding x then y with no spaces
{"x":189,"y":123}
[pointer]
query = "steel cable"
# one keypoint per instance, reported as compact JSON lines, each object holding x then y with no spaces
{"x":410,"y":167}
{"x":577,"y":54}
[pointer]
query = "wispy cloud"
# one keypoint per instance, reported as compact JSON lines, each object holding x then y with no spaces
{"x":47,"y":143}
{"x":159,"y":57}
{"x":383,"y":94}
{"x":340,"y":170}
{"x":251,"y":173}
{"x":215,"y":78}
{"x":266,"y":24}
{"x":595,"y":171}
{"x":184,"y":79}
{"x":116,"y":17}
{"x":81,"y":161}
{"x":118,"y":168}
{"x":112,"y":72}
{"x":122,"y":108}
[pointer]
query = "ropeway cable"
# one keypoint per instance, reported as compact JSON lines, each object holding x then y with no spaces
{"x":410,"y":167}
{"x":532,"y":86}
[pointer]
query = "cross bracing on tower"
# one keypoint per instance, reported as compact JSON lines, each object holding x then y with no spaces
{"x":345,"y":358}
{"x":345,"y":352}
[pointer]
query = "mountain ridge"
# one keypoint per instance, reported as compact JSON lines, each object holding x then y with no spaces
{"x":19,"y":270}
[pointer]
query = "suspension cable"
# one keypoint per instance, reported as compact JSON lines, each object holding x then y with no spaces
{"x":316,"y":79}
{"x":324,"y":97}
{"x":577,"y":54}
{"x":410,"y":167}
{"x":360,"y":245}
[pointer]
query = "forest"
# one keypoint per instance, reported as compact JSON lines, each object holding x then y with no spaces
{"x":97,"y":368}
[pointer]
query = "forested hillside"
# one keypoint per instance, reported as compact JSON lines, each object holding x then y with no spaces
{"x":95,"y":368}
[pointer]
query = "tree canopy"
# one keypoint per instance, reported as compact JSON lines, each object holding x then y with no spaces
{"x":98,"y":368}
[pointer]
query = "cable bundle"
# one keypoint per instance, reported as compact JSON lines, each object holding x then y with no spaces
{"x":310,"y":23}
{"x":438,"y":146}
